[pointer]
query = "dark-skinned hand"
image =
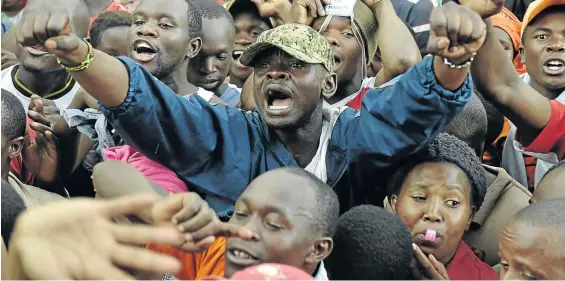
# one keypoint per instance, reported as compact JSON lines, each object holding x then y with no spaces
{"x":305,"y":11}
{"x":426,"y":267}
{"x":455,"y":32}
{"x":192,"y":215}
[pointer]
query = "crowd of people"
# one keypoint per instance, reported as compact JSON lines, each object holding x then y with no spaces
{"x":283,"y":139}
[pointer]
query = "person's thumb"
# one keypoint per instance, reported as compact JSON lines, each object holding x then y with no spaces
{"x":437,"y":45}
{"x":62,"y":44}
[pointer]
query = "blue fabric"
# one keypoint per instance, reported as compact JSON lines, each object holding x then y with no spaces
{"x":5,"y":26}
{"x":219,"y":150}
{"x":231,"y":96}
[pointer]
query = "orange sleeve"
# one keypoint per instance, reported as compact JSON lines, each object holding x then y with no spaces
{"x":197,"y":265}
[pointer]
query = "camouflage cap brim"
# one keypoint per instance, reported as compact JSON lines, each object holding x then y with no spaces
{"x":250,"y":54}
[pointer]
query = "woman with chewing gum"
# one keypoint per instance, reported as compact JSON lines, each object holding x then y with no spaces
{"x":435,"y":194}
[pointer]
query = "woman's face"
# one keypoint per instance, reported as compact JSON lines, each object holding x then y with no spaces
{"x":435,"y":196}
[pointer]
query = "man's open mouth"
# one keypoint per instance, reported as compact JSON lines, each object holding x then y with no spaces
{"x":35,"y":52}
{"x":241,"y":257}
{"x":337,"y":61}
{"x":236,"y":56}
{"x":143,"y":51}
{"x":554,"y":66}
{"x":278,"y":99}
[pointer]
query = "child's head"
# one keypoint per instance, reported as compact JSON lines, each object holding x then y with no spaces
{"x":292,"y":213}
{"x":108,"y":31}
{"x":551,"y":185}
{"x":471,"y":125}
{"x":211,"y":66}
{"x":370,"y":243}
{"x":543,"y":44}
{"x":164,"y":34}
{"x":249,"y":24}
{"x":439,"y":188}
{"x":13,"y":129}
{"x":531,"y":245}
{"x":353,"y":44}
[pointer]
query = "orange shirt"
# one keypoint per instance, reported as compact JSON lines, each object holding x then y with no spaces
{"x":196,"y":266}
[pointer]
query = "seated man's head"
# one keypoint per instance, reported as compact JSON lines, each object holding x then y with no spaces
{"x":353,"y":44}
{"x":108,"y":32}
{"x":551,"y":185}
{"x":248,"y":24}
{"x":531,"y":245}
{"x":293,"y":215}
{"x":34,"y":59}
{"x":438,"y":188}
{"x":471,"y":125}
{"x":370,"y":244}
{"x":164,"y":34}
{"x":543,"y":45}
{"x":292,"y":74}
{"x":13,"y":130}
{"x":211,"y":66}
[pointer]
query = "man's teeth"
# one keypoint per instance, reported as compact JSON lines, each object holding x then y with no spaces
{"x":554,"y":64}
{"x":241,"y":254}
{"x":278,"y":107}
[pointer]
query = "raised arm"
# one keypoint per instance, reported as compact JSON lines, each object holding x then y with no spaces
{"x":398,"y":120}
{"x":179,"y":132}
{"x":398,"y":55}
{"x":495,"y":77}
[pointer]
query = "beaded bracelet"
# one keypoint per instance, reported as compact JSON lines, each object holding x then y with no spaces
{"x":84,"y":64}
{"x":459,"y":66}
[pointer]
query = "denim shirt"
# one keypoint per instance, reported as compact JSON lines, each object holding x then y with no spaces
{"x":218,"y":150}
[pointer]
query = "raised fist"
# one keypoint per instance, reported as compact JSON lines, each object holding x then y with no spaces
{"x":456,"y":32}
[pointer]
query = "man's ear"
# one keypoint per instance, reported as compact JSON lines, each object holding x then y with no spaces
{"x":320,"y":250}
{"x":330,"y":85}
{"x":194,"y":47}
{"x":471,"y":217}
{"x":393,"y":201}
{"x":522,"y":55}
{"x":16,"y":147}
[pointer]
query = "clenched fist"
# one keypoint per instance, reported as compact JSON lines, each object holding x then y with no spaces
{"x":49,"y":30}
{"x":456,"y":32}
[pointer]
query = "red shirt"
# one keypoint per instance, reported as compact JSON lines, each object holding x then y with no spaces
{"x":465,"y":265}
{"x":552,"y":137}
{"x":358,"y":100}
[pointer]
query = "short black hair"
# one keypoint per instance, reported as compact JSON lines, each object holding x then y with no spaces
{"x":471,"y":125}
{"x":369,"y":244}
{"x":327,"y":203}
{"x":495,"y":120}
{"x":12,"y":206}
{"x":106,"y":21}
{"x":560,"y":165}
{"x":544,"y":213}
{"x":549,"y":10}
{"x":246,"y":6}
{"x":211,"y":10}
{"x":444,"y":148}
{"x":194,"y":20}
{"x":13,"y":116}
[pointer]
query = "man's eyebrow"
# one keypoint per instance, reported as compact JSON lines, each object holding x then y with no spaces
{"x":543,"y":28}
{"x":449,"y":186}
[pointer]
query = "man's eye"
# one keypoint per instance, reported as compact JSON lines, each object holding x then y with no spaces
{"x":452,"y":203}
{"x":240,"y":215}
{"x":542,"y":37}
{"x":139,"y":22}
{"x":419,"y":198}
{"x":296,"y":65}
{"x":165,"y":25}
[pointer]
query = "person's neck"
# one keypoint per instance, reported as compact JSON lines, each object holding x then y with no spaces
{"x":96,"y":7}
{"x":303,"y":142}
{"x":236,"y":81}
{"x":548,"y":93}
{"x":220,"y":90}
{"x":346,"y":89}
{"x":178,"y":82}
{"x":43,"y":83}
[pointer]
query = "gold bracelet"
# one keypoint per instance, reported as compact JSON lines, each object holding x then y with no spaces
{"x":85,"y":64}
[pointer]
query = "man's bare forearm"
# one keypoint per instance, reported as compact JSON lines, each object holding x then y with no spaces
{"x":400,"y":54}
{"x":495,"y":77}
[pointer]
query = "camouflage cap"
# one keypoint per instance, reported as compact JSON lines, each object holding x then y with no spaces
{"x":300,"y":41}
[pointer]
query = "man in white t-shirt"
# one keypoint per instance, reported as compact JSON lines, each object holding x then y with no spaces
{"x":38,"y":72}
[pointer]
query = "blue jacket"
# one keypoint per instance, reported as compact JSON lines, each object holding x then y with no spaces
{"x":219,"y":150}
